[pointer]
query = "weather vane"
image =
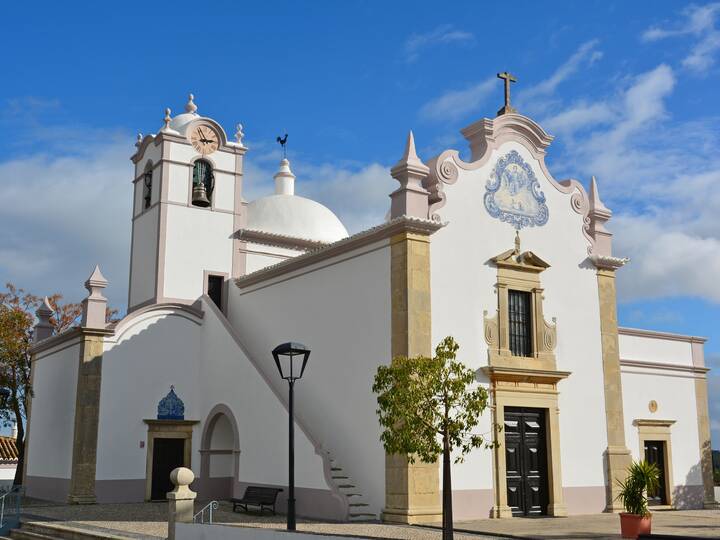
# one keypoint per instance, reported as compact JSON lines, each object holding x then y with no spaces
{"x":283,"y":143}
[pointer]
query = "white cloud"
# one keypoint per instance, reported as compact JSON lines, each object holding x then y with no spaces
{"x":443,"y":34}
{"x":579,"y":116}
{"x":698,"y":22}
{"x":660,"y":178}
{"x":456,"y":103}
{"x":63,"y":215}
{"x":586,"y":55}
{"x":665,"y":261}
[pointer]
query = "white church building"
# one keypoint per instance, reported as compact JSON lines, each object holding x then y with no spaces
{"x":517,"y":266}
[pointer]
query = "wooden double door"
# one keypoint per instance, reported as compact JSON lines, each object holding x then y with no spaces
{"x":526,"y":461}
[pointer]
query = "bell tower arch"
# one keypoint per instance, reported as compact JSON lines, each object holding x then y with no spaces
{"x":187,"y":205}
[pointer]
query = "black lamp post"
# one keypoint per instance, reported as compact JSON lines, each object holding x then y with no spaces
{"x":291,"y":359}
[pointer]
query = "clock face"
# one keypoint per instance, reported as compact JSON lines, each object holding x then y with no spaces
{"x":204,"y":139}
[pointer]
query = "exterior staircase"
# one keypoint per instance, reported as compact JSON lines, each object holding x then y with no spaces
{"x":36,"y":530}
{"x":359,"y":510}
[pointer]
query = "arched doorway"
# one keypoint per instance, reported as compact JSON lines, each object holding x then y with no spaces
{"x":220,"y":453}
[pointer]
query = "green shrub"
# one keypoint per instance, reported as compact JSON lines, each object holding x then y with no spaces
{"x":642,"y":476}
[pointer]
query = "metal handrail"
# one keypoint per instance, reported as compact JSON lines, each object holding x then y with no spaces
{"x":212,"y":505}
{"x":17,"y":491}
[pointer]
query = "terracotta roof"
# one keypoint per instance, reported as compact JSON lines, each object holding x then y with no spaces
{"x":8,"y":449}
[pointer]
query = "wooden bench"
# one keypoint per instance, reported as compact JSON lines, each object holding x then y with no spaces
{"x":263,"y":497}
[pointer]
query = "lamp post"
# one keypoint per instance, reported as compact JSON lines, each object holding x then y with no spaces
{"x":291,"y":359}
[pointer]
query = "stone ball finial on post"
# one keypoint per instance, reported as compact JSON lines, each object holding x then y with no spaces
{"x":181,"y":500}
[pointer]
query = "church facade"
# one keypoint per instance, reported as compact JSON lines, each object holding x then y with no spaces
{"x":494,"y":251}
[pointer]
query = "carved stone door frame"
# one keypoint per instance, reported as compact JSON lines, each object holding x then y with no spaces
{"x":167,"y":429}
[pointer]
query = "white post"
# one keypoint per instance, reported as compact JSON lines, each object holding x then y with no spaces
{"x":181,"y":500}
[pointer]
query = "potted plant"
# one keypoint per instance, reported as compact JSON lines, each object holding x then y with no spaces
{"x":642,"y":477}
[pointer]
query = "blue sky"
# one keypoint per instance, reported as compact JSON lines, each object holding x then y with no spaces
{"x":629,"y":90}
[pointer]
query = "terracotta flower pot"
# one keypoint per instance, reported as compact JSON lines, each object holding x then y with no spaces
{"x":633,"y":525}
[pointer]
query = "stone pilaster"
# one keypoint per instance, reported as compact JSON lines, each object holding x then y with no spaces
{"x":617,"y":455}
{"x":412,"y":491}
{"x":87,"y":416}
{"x":703,"y":420}
{"x":87,"y":396}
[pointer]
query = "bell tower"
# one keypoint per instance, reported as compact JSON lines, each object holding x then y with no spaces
{"x":187,"y":205}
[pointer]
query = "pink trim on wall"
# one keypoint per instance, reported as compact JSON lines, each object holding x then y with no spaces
{"x":120,"y":491}
{"x":472,"y":503}
{"x":584,"y":499}
{"x":47,"y":488}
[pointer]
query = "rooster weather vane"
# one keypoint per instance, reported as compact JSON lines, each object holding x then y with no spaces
{"x":283,"y":143}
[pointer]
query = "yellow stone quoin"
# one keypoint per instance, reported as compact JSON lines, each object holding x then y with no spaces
{"x":412,"y":490}
{"x":617,"y":455}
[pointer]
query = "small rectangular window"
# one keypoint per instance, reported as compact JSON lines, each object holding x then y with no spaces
{"x":520,"y":321}
{"x":215,"y":289}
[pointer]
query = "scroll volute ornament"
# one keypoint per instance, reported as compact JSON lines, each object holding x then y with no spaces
{"x":492,"y":336}
{"x":549,"y":341}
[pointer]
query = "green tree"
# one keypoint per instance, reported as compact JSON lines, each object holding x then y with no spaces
{"x":431,"y":406}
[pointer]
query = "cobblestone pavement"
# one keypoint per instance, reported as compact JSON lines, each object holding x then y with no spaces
{"x":697,"y":523}
{"x":149,"y":520}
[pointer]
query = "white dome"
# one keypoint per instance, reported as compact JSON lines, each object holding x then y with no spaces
{"x":179,"y":123}
{"x":295,"y":216}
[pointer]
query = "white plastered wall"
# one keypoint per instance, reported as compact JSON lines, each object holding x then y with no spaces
{"x":463,"y":287}
{"x":144,"y":258}
{"x":649,"y":349}
{"x":197,"y":240}
{"x":53,"y":412}
{"x":339,"y":308}
{"x":261,"y":256}
{"x":230,"y":378}
{"x":157,"y":350}
{"x":208,"y":368}
{"x":674,"y":392}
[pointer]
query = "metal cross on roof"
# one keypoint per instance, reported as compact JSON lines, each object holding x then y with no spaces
{"x":508,"y":78}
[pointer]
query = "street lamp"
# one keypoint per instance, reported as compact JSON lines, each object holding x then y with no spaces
{"x":291,"y":359}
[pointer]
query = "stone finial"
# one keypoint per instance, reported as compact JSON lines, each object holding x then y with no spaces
{"x":190,"y":105}
{"x":599,"y":214}
{"x":411,"y":198}
{"x":44,"y":327}
{"x":239,"y":133}
{"x":95,"y":305}
{"x":167,"y":119}
{"x":284,"y":179}
{"x":139,"y":139}
{"x":181,"y":500}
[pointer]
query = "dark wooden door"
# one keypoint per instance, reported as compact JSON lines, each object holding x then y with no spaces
{"x":526,"y":461}
{"x":655,"y":453}
{"x":167,"y":455}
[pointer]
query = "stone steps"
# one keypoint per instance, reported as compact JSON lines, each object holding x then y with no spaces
{"x":358,"y":509}
{"x":33,"y":530}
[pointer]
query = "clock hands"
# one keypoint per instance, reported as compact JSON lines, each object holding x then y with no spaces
{"x":203,"y":137}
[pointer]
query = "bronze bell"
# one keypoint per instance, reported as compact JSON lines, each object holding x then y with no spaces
{"x":199,"y":195}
